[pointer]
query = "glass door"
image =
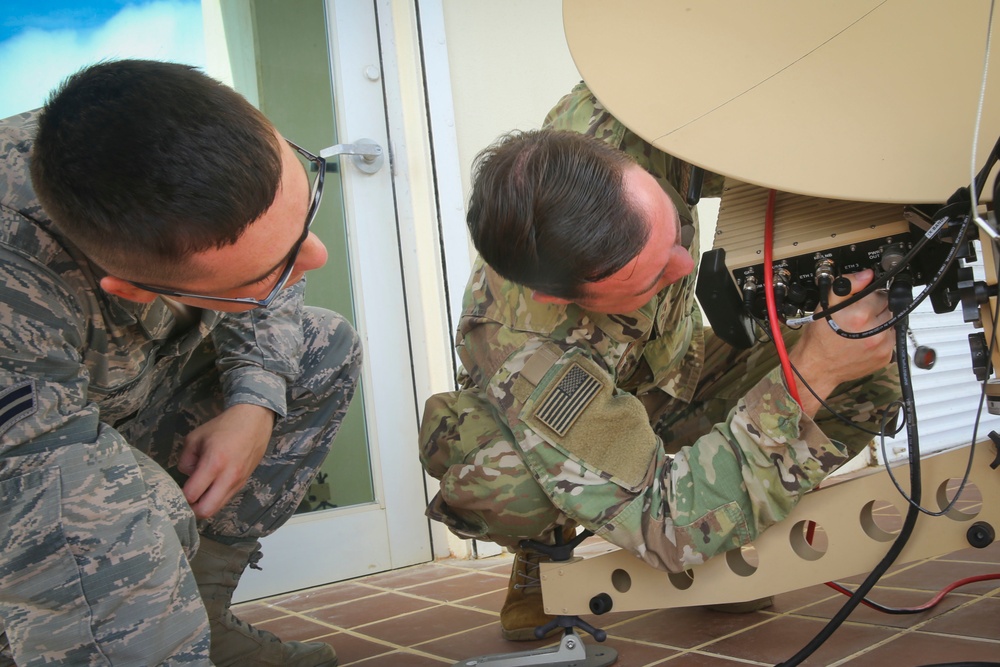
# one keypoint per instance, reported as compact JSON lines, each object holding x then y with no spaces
{"x":316,"y":72}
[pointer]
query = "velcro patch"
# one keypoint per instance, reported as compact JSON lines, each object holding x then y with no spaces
{"x":16,"y":403}
{"x":564,"y":404}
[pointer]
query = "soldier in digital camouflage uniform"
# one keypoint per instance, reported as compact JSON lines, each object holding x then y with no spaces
{"x":627,"y":419}
{"x":108,"y":389}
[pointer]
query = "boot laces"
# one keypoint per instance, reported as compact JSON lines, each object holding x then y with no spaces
{"x":238,"y":623}
{"x":529,"y":573}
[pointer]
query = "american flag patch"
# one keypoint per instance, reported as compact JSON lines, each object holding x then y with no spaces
{"x":563,"y":405}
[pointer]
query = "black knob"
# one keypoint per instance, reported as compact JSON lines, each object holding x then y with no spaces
{"x":842,"y":286}
{"x":601,"y":604}
{"x":980,"y":535}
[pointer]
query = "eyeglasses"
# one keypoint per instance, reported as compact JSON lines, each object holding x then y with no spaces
{"x":316,"y":196}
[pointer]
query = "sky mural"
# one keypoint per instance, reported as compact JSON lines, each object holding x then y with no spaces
{"x":41,"y":43}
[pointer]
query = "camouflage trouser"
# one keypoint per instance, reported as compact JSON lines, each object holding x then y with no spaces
{"x":316,"y":404}
{"x":488,"y":492}
{"x":93,"y":538}
{"x":93,"y":541}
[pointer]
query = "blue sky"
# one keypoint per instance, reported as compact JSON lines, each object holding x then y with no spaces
{"x":43,"y":41}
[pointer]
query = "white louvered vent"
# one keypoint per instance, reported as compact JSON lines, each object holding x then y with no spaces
{"x":946,"y":396}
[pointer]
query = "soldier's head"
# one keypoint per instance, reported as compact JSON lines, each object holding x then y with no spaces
{"x":174,"y":184}
{"x":575,"y":220}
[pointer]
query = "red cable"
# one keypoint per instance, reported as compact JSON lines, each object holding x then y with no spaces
{"x":925,"y":606}
{"x":772,"y":308}
{"x":786,"y":369}
{"x":772,"y":316}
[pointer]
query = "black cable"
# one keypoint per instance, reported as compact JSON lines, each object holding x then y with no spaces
{"x":972,"y":445}
{"x":984,"y":173}
{"x":933,"y":602}
{"x":932,"y":285}
{"x":841,"y":418}
{"x":881,"y":281}
{"x":909,"y":521}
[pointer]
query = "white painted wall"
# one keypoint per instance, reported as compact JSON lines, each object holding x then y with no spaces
{"x":509,"y":65}
{"x":506,"y":65}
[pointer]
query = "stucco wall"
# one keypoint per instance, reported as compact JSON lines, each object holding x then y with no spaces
{"x":509,"y":65}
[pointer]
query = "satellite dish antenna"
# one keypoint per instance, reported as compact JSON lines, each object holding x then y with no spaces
{"x":866,"y":100}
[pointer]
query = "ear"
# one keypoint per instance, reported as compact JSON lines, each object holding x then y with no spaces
{"x":126,"y":290}
{"x":541,"y":297}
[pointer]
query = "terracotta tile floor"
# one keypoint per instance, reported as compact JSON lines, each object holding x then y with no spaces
{"x":444,"y":612}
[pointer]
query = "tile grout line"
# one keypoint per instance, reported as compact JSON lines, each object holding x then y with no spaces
{"x":907,"y":631}
{"x":698,"y":647}
{"x":394,"y":648}
{"x":449,"y":572}
{"x":688,"y":652}
{"x":380,"y":591}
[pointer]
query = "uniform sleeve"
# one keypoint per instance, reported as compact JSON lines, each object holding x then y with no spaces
{"x":591,"y":449}
{"x":43,"y":381}
{"x":260,"y":351}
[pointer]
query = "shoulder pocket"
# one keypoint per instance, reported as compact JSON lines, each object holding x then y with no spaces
{"x":576,"y":407}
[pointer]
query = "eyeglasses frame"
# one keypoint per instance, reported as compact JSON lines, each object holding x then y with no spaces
{"x":316,"y":198}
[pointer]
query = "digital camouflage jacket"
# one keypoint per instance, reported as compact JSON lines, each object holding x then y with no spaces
{"x":73,"y":357}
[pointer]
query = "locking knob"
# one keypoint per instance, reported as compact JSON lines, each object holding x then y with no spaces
{"x":601,"y":604}
{"x":980,"y":534}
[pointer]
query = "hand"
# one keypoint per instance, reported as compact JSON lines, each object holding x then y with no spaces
{"x":221,"y":454}
{"x":825,"y":359}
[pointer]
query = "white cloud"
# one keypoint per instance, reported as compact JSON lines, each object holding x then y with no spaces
{"x":35,"y":61}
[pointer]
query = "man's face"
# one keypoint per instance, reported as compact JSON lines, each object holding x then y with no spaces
{"x":252,"y":265}
{"x":662,"y":261}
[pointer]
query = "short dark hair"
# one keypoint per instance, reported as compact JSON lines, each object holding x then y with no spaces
{"x":140,"y":163}
{"x":549,"y":210}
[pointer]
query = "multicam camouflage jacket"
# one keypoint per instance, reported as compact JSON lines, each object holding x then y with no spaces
{"x":563,"y":393}
{"x":72,"y":356}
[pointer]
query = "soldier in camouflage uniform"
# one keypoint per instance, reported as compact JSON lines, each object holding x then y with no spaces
{"x":130,"y":422}
{"x":600,"y":401}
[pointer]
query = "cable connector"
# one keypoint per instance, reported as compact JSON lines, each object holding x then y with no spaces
{"x":824,"y":280}
{"x":749,"y":293}
{"x":780,"y":280}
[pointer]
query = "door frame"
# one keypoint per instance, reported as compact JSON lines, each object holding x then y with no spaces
{"x":391,"y":532}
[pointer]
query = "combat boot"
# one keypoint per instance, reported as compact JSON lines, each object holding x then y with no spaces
{"x":217,"y":569}
{"x":523,"y":611}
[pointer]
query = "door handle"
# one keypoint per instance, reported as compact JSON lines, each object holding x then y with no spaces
{"x":366,"y":154}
